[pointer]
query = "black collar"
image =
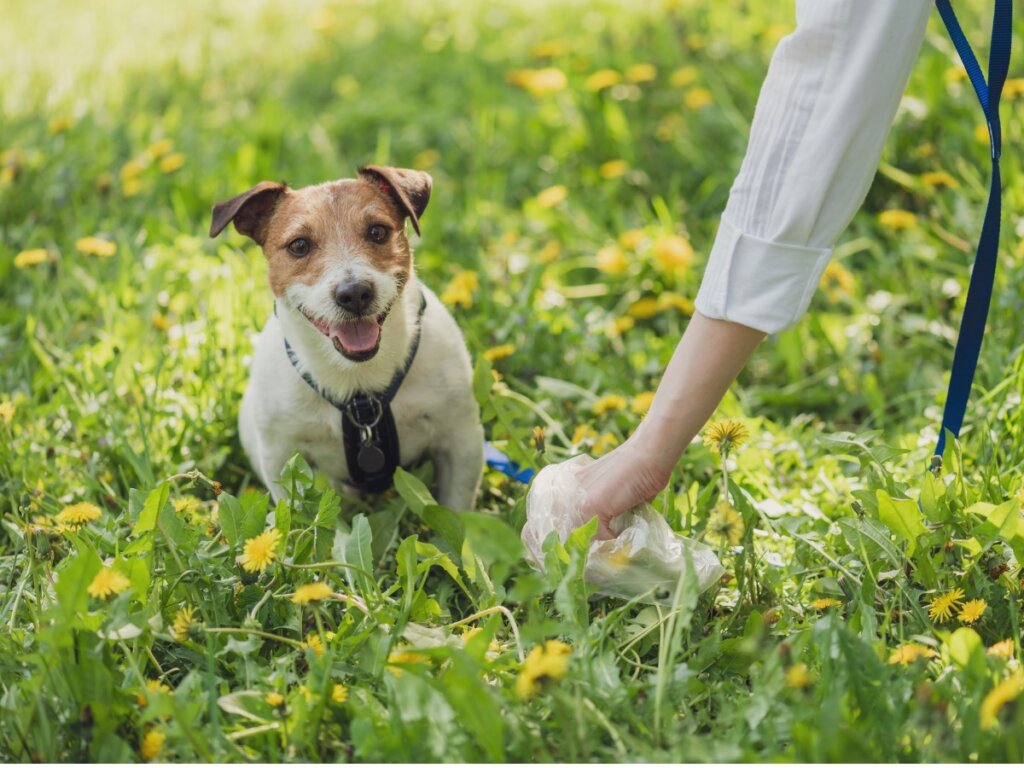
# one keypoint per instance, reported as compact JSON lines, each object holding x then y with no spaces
{"x":368,"y":427}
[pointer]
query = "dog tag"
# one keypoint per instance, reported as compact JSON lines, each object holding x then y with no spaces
{"x":370,"y":458}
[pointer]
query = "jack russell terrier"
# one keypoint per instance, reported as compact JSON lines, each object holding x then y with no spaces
{"x":360,"y":368}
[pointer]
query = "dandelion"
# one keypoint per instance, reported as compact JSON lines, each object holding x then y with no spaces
{"x":582,"y":434}
{"x":108,"y":582}
{"x":644,"y":309}
{"x":151,"y":744}
{"x":1003,"y":649}
{"x":724,"y":435}
{"x":608,"y":403}
{"x":315,"y":643}
{"x":274,"y":699}
{"x":622,"y":324}
{"x":552,"y":196}
{"x":1013,"y":87}
{"x":999,"y":697}
{"x":942,"y":606}
{"x":604,"y":443}
{"x":683,"y":77}
{"x":77,"y":515}
{"x":798,"y":676}
{"x":550,"y":49}
{"x":537,"y":438}
{"x":611,"y":260}
{"x":613,"y":169}
{"x":31,"y":258}
{"x":544,"y":663}
{"x":96,"y":246}
{"x":939,"y":179}
{"x":499,"y":352}
{"x":309,"y":593}
{"x":539,"y":82}
{"x":775,"y":32}
{"x":672,"y":253}
{"x":6,"y":411}
{"x":911,"y":652}
{"x":836,"y":280}
{"x":402,"y":656}
{"x":182,"y":626}
{"x":897,"y":218}
{"x":955,"y":73}
{"x":172,"y":162}
{"x":824,"y":603}
{"x":160,"y":322}
{"x":603,"y":78}
{"x":641,"y":403}
{"x":672,"y":300}
{"x":426,"y":159}
{"x":972,"y":611}
{"x":698,"y":98}
{"x":339,"y":693}
{"x":725,"y":526}
{"x":641,"y":73}
{"x":460,"y":289}
{"x":631,"y":239}
{"x":152,"y":686}
{"x":549,"y":252}
{"x":259,"y":551}
{"x":321,"y":20}
{"x":160,"y":148}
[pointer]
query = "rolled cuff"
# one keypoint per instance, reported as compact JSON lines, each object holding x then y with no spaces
{"x":758,"y":283}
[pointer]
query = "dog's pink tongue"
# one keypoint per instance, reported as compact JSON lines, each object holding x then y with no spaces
{"x":357,"y":335}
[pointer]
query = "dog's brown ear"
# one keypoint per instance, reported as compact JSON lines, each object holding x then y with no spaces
{"x":248,"y":210}
{"x":410,"y":189}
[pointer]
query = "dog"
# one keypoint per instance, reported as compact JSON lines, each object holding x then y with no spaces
{"x":361,"y":367}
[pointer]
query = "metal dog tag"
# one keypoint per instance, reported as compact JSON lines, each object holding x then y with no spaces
{"x":370,"y":458}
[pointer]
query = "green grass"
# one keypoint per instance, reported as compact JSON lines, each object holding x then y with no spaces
{"x":120,"y":378}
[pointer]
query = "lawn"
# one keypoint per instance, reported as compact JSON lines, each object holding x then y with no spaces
{"x":581,"y":154}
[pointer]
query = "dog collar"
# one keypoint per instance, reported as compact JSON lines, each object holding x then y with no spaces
{"x":367,"y":424}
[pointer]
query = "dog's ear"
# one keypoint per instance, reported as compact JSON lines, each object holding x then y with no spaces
{"x":249,"y":210}
{"x":410,"y":189}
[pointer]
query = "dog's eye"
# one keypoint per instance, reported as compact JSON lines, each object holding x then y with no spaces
{"x":299,"y":247}
{"x":379,"y":233}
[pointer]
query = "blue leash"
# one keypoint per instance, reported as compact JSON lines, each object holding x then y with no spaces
{"x":499,"y":461}
{"x":979,"y":294}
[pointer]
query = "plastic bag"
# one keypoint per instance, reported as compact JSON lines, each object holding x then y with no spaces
{"x":645,"y":560}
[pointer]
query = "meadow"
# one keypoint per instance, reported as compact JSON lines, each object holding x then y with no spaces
{"x":581,"y":154}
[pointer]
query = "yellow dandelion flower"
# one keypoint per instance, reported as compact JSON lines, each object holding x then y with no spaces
{"x":775,"y":32}
{"x":78,"y":514}
{"x":603,"y":78}
{"x":131,"y":187}
{"x":543,"y":664}
{"x":972,"y":611}
{"x":315,"y":643}
{"x":339,"y":693}
{"x":608,"y":403}
{"x":31,"y":258}
{"x":1013,"y":87}
{"x":684,"y":76}
{"x":582,"y":434}
{"x":401,"y":657}
{"x":468,"y":633}
{"x":644,"y":309}
{"x":6,"y":411}
{"x":160,"y":322}
{"x":1003,"y":649}
{"x":697,"y":98}
{"x":549,"y":49}
{"x":259,"y":551}
{"x":611,"y":260}
{"x":641,"y":403}
{"x":551,"y":251}
{"x":725,"y":526}
{"x":911,"y":652}
{"x":641,"y":73}
{"x":798,"y":676}
{"x":672,"y":300}
{"x":955,"y":73}
{"x":108,"y":582}
{"x":672,"y":253}
{"x":426,"y":159}
{"x":942,"y":606}
{"x":724,"y":435}
{"x":539,"y":82}
{"x":537,"y":438}
{"x":151,"y":744}
{"x":499,"y":352}
{"x":312,"y":592}
{"x":939,"y":179}
{"x":824,"y":603}
{"x":160,"y":148}
{"x":183,"y":621}
{"x":460,"y":289}
{"x":274,"y":699}
{"x":897,"y":218}
{"x":172,"y":162}
{"x":152,"y":686}
{"x":999,"y":697}
{"x":622,"y":324}
{"x":632,"y":239}
{"x":836,"y":280}
{"x":552,"y":196}
{"x":96,"y":246}
{"x":604,"y":443}
{"x":613,"y":169}
{"x":60,"y":124}
{"x":322,"y":19}
{"x":695,"y":41}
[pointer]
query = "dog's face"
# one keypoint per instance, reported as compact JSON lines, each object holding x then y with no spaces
{"x":336,"y":252}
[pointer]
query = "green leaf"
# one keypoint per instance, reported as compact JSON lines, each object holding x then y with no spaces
{"x":446,"y":523}
{"x":902,"y":517}
{"x":283,"y":517}
{"x":491,"y":538}
{"x":155,"y":502}
{"x":872,"y":537}
{"x":472,"y":699}
{"x":413,"y":491}
{"x":254,"y":514}
{"x":230,"y":514}
{"x":359,"y":550}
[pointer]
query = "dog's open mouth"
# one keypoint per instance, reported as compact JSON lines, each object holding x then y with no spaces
{"x":357,"y":339}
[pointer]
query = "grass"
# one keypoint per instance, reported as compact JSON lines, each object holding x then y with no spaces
{"x":121,"y":374}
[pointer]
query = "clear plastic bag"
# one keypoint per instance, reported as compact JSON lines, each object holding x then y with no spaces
{"x":645,"y":560}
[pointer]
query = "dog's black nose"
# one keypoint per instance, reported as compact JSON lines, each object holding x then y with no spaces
{"x":355,"y":297}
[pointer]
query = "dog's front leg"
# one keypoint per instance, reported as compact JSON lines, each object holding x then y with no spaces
{"x":458,"y":466}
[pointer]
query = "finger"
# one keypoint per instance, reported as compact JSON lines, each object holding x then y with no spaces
{"x":603,"y":531}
